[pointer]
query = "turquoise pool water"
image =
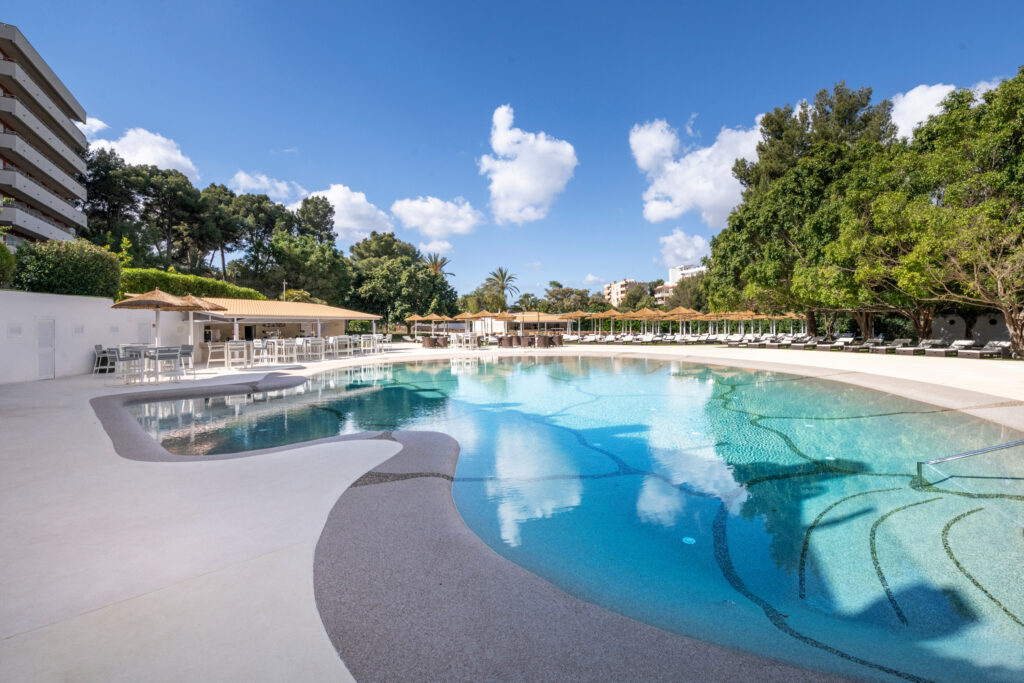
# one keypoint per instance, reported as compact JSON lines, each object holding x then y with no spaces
{"x":762,"y":511}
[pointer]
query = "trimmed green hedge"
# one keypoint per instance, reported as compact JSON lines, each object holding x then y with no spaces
{"x":139,"y":280}
{"x":6,"y":265}
{"x":66,"y":267}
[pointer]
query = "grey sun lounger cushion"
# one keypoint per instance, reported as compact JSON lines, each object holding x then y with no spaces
{"x":993,"y":349}
{"x":891,"y":347}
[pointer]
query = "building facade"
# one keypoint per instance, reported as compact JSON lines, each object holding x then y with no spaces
{"x":40,"y":146}
{"x":615,"y":292}
{"x":662,"y":293}
{"x":682,"y":272}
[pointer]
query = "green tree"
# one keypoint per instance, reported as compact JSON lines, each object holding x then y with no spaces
{"x":561,"y":299}
{"x":689,"y":293}
{"x":527,"y":302}
{"x":970,"y":246}
{"x":437,"y":263}
{"x":503,"y":282}
{"x":219,"y":214}
{"x":381,"y":245}
{"x":258,"y":218}
{"x":113,"y":191}
{"x":635,"y":298}
{"x":315,"y":217}
{"x":170,"y":207}
{"x":396,"y":288}
{"x":308,"y":265}
{"x":781,"y":231}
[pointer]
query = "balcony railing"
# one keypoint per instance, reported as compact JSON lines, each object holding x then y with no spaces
{"x":42,"y":217}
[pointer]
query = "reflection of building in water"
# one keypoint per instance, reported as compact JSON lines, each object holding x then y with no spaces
{"x":522,"y":459}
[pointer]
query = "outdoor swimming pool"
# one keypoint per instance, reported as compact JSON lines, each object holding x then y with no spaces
{"x":767,"y":512}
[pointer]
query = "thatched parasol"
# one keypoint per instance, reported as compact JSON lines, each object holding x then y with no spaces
{"x":156,"y":301}
{"x":192,"y":304}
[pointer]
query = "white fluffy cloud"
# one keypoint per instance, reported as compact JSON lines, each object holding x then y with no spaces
{"x":260,"y":183}
{"x":440,"y":246}
{"x":700,"y":179}
{"x":435,"y":218}
{"x":527,"y":171}
{"x":354,"y":216}
{"x":140,"y":146}
{"x":914,"y":106}
{"x":592,"y":279}
{"x":91,"y":127}
{"x":679,"y":248}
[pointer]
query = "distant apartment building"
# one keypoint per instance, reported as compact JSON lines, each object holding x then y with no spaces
{"x":40,"y":146}
{"x":682,"y":272}
{"x":663,"y":292}
{"x":615,"y":292}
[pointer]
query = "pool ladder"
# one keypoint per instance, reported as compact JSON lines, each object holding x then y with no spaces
{"x":922,"y":463}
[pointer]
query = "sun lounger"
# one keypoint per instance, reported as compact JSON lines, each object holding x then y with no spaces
{"x":864,"y":345}
{"x":808,"y":344}
{"x":920,"y":349}
{"x":782,"y":342}
{"x":951,"y":350}
{"x":993,"y":349}
{"x":838,"y":344}
{"x":890,"y":347}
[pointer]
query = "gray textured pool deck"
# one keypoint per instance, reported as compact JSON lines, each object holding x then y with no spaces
{"x":407,"y":592}
{"x":125,"y":563}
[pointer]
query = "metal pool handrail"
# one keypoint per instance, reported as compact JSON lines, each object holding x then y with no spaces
{"x":921,"y":463}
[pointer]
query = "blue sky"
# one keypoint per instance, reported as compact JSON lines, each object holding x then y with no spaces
{"x":610,"y":160}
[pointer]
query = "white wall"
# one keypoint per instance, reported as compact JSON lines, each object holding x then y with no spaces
{"x":80,"y":322}
{"x":990,"y":326}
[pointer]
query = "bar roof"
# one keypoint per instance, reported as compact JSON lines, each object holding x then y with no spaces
{"x":256,"y":309}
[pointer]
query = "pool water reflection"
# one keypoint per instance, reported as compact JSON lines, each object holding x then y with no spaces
{"x":763,"y":511}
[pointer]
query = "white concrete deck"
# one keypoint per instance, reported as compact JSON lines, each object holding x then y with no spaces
{"x":114,"y":569}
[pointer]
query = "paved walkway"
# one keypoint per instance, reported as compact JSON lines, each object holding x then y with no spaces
{"x":114,"y":569}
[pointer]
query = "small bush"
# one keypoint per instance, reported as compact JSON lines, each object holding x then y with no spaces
{"x":139,"y":280}
{"x":6,"y":266}
{"x":67,"y":267}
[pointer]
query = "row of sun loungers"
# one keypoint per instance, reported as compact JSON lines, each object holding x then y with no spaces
{"x":963,"y":348}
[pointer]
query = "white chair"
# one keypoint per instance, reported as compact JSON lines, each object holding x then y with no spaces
{"x":128,"y":366}
{"x":236,"y":354}
{"x":315,"y":349}
{"x":104,"y":361}
{"x":216,"y":353}
{"x":287,"y":352}
{"x":187,"y":361}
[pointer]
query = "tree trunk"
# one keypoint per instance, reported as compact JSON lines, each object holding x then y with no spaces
{"x":223,"y":268}
{"x":812,"y":324}
{"x":970,"y":320}
{"x":1015,"y":323}
{"x":863,"y":322}
{"x":921,"y":319}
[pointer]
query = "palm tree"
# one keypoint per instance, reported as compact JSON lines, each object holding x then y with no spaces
{"x":501,"y":280}
{"x":437,"y":263}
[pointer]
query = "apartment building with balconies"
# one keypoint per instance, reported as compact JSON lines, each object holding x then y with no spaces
{"x":615,"y":292}
{"x":40,"y":146}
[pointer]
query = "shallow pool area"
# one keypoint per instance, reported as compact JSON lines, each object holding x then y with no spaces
{"x":768,"y":512}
